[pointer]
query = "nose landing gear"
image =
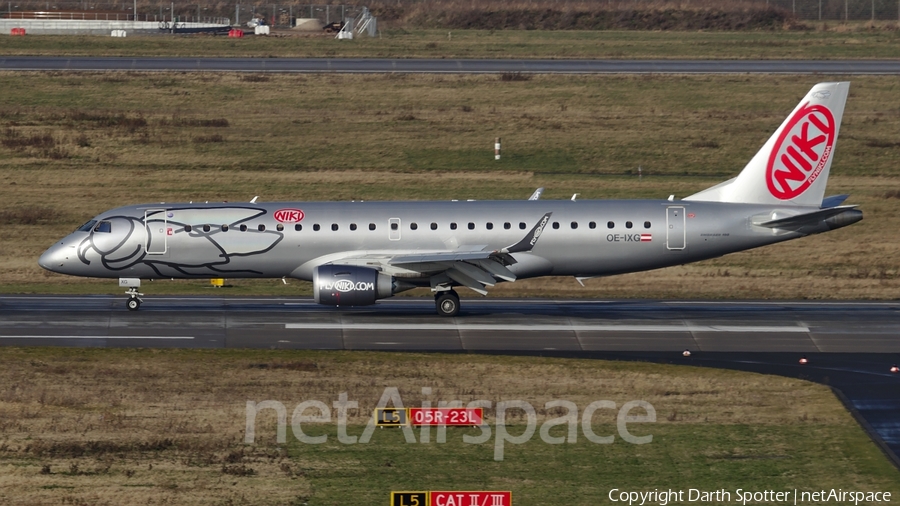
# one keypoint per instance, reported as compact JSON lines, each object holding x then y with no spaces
{"x":134,"y":299}
{"x":134,"y":296}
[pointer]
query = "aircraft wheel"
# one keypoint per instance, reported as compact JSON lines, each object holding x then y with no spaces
{"x":133,"y":304}
{"x":447,"y":303}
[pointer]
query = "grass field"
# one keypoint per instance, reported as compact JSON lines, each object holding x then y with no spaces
{"x":855,"y":40}
{"x":69,"y":151}
{"x":92,"y":426}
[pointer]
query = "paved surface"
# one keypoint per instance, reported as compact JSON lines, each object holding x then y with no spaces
{"x":850,"y":346}
{"x":484,"y":324}
{"x":381,"y":65}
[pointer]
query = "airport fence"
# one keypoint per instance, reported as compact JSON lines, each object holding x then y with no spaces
{"x":841,"y":10}
{"x":276,"y":15}
{"x":284,"y":15}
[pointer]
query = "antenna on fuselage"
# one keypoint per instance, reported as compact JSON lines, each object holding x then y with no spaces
{"x":574,"y":195}
{"x":253,"y":200}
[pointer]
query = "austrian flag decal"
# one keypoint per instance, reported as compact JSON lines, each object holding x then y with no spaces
{"x":646,"y":237}
{"x":801,"y":151}
{"x":288,"y":215}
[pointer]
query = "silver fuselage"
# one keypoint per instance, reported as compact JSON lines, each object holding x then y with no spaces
{"x":583,"y":238}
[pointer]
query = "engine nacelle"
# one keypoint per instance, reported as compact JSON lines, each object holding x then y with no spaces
{"x":349,"y":285}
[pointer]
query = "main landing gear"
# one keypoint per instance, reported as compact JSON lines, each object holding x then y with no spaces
{"x":446,"y":303}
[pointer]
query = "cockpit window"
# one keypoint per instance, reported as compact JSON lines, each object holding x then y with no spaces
{"x":87,"y":227}
{"x":103,"y":226}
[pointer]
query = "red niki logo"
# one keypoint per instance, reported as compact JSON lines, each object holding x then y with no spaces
{"x":288,"y":215}
{"x":801,"y":152}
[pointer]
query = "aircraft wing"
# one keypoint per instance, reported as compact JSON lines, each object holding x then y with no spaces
{"x":475,"y":267}
{"x":441,"y":256}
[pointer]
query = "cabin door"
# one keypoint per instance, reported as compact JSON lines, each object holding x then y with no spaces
{"x":158,"y":231}
{"x":675,"y":231}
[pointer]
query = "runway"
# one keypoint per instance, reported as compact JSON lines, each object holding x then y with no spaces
{"x":452,"y":66}
{"x":849,"y":346}
{"x":484,"y":324}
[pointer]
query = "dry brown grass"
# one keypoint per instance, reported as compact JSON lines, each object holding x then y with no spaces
{"x":124,"y":426}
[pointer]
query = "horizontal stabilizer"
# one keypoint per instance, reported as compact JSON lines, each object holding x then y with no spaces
{"x":833,"y":201}
{"x":810,"y":219}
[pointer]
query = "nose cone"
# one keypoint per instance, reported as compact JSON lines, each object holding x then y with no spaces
{"x":55,"y":258}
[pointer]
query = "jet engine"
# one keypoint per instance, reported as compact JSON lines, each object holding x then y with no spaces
{"x":349,"y":285}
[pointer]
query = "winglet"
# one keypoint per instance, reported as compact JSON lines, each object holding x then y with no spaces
{"x":531,"y":239}
{"x":537,"y":194}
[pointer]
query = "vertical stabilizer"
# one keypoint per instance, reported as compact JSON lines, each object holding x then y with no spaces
{"x":792,"y":166}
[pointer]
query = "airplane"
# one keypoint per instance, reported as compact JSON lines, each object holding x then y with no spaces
{"x":356,"y":253}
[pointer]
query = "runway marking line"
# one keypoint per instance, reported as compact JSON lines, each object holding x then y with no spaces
{"x":545,"y":327}
{"x":92,"y":337}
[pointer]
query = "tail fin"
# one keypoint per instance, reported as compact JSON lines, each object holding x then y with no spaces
{"x":792,"y":166}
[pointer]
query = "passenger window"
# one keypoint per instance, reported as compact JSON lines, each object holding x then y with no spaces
{"x":522,"y":225}
{"x":555,"y":225}
{"x":413,"y":226}
{"x":490,"y":226}
{"x":206,"y":228}
{"x":453,"y":226}
{"x":353,"y":226}
{"x":316,"y":227}
{"x":261,"y":227}
{"x":187,"y":228}
{"x":610,"y":224}
{"x":279,"y":227}
{"x":471,"y":226}
{"x":371,"y":226}
{"x":334,"y":227}
{"x":434,"y":226}
{"x":507,"y":226}
{"x":395,"y":226}
{"x":592,"y":225}
{"x":646,"y":224}
{"x":103,"y":226}
{"x":628,"y":224}
{"x":574,"y":225}
{"x":224,"y":228}
{"x":298,"y":227}
{"x":243,"y":228}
